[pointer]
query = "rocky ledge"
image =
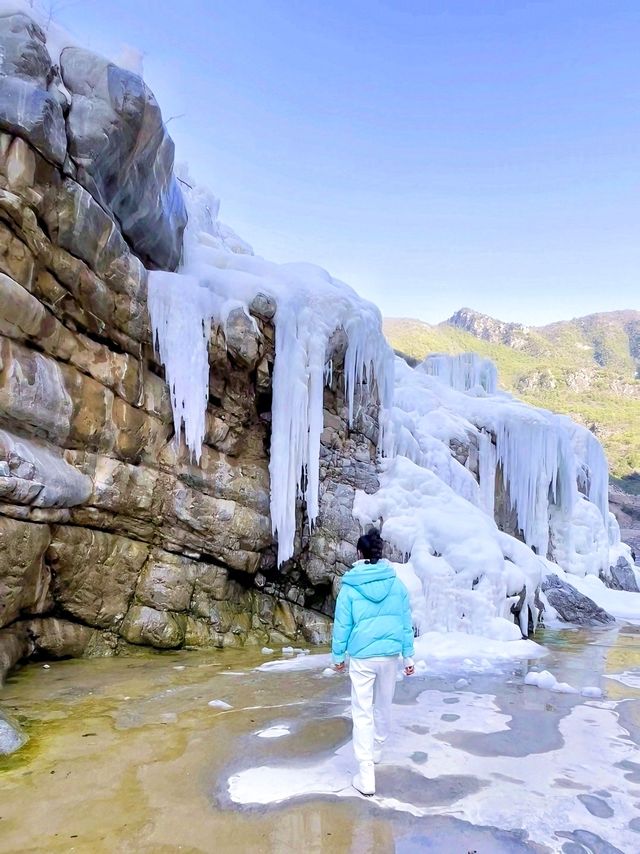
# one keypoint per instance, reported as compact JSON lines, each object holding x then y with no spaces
{"x":109,"y":535}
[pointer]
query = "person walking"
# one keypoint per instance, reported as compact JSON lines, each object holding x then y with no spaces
{"x":372,"y":624}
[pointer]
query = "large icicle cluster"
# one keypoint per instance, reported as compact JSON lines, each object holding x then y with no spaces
{"x":464,"y":372}
{"x":463,"y":573}
{"x":218,"y":275}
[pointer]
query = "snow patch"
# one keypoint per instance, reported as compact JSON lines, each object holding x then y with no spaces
{"x":274,"y":732}
{"x":548,"y":681}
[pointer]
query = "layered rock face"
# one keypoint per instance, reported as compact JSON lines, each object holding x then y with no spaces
{"x":102,"y":126}
{"x":109,"y":535}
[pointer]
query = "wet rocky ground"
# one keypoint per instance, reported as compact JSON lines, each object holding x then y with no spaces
{"x":203,"y":752}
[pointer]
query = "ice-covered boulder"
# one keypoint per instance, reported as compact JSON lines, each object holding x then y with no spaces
{"x":572,"y":606}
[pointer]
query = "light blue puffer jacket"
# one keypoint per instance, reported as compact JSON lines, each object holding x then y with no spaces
{"x":373,"y":615}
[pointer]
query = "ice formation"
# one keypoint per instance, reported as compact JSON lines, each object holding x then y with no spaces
{"x":548,"y":681}
{"x":218,"y":275}
{"x":463,"y":573}
{"x":464,"y":372}
{"x":449,"y":438}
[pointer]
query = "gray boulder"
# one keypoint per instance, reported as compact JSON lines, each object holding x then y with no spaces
{"x":30,"y":103}
{"x":621,"y":577}
{"x":11,"y":736}
{"x":572,"y":606}
{"x":124,"y":155}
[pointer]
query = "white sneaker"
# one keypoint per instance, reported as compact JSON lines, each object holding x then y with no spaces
{"x":377,"y":755}
{"x":365,"y":780}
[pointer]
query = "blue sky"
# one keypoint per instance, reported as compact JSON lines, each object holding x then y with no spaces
{"x":432,"y":154}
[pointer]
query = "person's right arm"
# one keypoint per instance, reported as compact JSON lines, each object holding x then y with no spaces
{"x":342,"y":626}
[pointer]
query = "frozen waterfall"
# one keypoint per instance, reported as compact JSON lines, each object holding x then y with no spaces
{"x":449,"y":438}
{"x":218,"y":275}
{"x":437,"y":508}
{"x":464,"y":372}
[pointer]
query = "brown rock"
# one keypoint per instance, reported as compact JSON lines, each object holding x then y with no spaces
{"x":60,"y":638}
{"x":20,"y":165}
{"x":161,"y":629}
{"x":219,"y":527}
{"x":119,"y":487}
{"x":33,"y":392}
{"x":36,"y":473}
{"x":15,"y":645}
{"x":16,"y":260}
{"x":211,"y":584}
{"x":242,"y":339}
{"x":95,"y":573}
{"x":166,"y":581}
{"x":199,"y":633}
{"x":284,"y":619}
{"x":24,"y":578}
{"x":316,"y":628}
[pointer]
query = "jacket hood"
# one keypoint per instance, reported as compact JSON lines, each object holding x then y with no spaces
{"x":371,"y":580}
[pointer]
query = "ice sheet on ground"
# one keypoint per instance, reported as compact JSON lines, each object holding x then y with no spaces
{"x":594,"y":748}
{"x":631,"y":678}
{"x":452,"y":651}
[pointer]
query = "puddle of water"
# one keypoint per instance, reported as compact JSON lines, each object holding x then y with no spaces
{"x":128,"y":755}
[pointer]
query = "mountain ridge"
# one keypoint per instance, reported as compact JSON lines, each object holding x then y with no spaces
{"x":587,"y":367}
{"x":596,"y":329}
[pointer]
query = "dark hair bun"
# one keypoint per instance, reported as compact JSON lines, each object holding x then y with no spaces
{"x":370,"y":545}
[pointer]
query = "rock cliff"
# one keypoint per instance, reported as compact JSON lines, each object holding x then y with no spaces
{"x":514,"y":335}
{"x":109,"y":535}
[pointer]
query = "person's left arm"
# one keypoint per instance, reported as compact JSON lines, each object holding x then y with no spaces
{"x":407,"y":632}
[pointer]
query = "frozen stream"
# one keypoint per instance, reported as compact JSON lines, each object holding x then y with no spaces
{"x":128,"y":755}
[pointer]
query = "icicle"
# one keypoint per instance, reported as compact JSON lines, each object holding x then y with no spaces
{"x":593,"y":468}
{"x":181,"y":326}
{"x":465,"y":372}
{"x":538,"y":466}
{"x":487,"y":463}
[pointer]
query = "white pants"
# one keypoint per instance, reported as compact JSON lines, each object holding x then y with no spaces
{"x":373,"y":682}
